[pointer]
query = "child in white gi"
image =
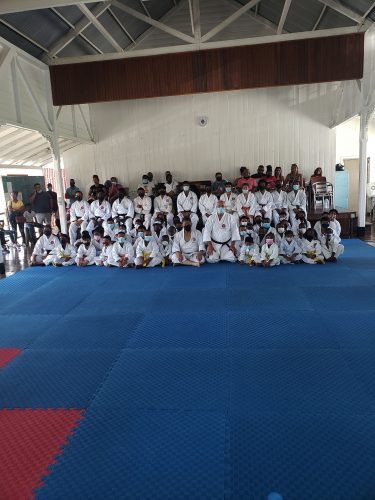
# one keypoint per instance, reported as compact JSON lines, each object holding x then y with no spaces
{"x":106,"y":252}
{"x":122,"y":252}
{"x":333,"y":222}
{"x":147,"y":252}
{"x":289,"y":249}
{"x":249,"y":253}
{"x":331,"y":246}
{"x":86,"y":252}
{"x":270,"y":252}
{"x":63,"y":255}
{"x":311,"y":248}
{"x":166,"y":249}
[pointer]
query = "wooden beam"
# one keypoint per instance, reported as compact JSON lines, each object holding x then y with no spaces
{"x":153,"y":22}
{"x":283,"y":16}
{"x":229,"y":20}
{"x":98,"y":25}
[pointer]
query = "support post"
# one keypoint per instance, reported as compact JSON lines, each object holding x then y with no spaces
{"x":363,"y":136}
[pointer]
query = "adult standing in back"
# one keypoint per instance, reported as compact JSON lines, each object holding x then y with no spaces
{"x":42,"y":205}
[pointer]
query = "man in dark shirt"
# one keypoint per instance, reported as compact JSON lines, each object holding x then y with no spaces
{"x":260,"y":173}
{"x":95,"y":188}
{"x":54,"y":204}
{"x":41,"y":202}
{"x":218,"y":186}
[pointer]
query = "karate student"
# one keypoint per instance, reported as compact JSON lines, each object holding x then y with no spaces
{"x":163,"y":206}
{"x":86,"y":252}
{"x":44,"y":246}
{"x":289,"y":249}
{"x":269,"y":255}
{"x":100,"y":210}
{"x":147,"y":252}
{"x":296,"y":201}
{"x":331,"y":246}
{"x":265,"y":230}
{"x":230,"y":200}
{"x":172,"y":233}
{"x":79,"y":216}
{"x":220,"y":235}
{"x":166,"y":250}
{"x":299,"y":219}
{"x":249,"y":253}
{"x":123,"y":210}
{"x":264,"y":200}
{"x":106,"y":252}
{"x":188,"y":247}
{"x":122,"y":252}
{"x":110,"y":229}
{"x":158,"y":231}
{"x":311,"y":248}
{"x":321,"y":225}
{"x":187,"y":204}
{"x":207,"y":204}
{"x":280,"y":202}
{"x":142,"y":206}
{"x":97,"y":239}
{"x":63,"y":255}
{"x":246,"y":203}
{"x":333,"y":222}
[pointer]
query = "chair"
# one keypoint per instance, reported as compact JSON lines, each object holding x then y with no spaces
{"x":322,"y":191}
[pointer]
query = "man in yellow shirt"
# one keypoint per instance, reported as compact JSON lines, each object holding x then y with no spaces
{"x":16,"y":209}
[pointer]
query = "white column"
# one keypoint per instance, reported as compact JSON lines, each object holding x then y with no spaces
{"x":363,"y":134}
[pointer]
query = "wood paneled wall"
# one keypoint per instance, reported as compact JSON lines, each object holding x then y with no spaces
{"x":268,"y":65}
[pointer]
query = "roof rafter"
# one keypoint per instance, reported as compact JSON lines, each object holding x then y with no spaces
{"x":229,"y":20}
{"x":341,"y":9}
{"x":283,"y":16}
{"x":153,"y":22}
{"x":98,"y":25}
{"x":74,"y":33}
{"x":26,"y":37}
{"x":322,"y":12}
{"x":10,"y":6}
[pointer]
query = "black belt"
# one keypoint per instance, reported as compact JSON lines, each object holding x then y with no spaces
{"x":220,"y":242}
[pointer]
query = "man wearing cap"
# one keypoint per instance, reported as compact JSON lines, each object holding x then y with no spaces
{"x":187,"y":204}
{"x":220,"y":235}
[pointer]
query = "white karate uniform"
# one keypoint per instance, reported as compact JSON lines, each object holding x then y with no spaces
{"x":336,"y":226}
{"x":151,"y":251}
{"x":121,"y":250}
{"x":296,"y":199}
{"x":79,"y":211}
{"x":249,"y":254}
{"x":311,"y":251}
{"x":188,"y":202}
{"x":111,"y":232}
{"x":44,"y":246}
{"x":246,"y":206}
{"x":88,"y":254}
{"x":230,"y":203}
{"x":144,"y":208}
{"x":333,"y":245}
{"x":264,"y":202}
{"x":271,"y":230}
{"x":189,"y":249}
{"x":124,"y":208}
{"x":163,"y":204}
{"x":207,"y":205}
{"x":295,"y":226}
{"x":158,"y":237}
{"x":98,"y":210}
{"x":221,"y":232}
{"x":318,"y":229}
{"x":280,"y":201}
{"x":171,"y":187}
{"x":287,"y":249}
{"x":270,"y":252}
{"x":58,"y":254}
{"x":166,"y":250}
{"x":104,"y":256}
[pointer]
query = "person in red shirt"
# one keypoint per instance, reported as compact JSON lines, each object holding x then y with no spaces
{"x":246,"y":179}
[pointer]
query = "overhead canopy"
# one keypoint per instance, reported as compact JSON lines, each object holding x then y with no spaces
{"x":58,"y":31}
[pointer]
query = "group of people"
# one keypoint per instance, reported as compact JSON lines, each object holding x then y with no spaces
{"x":258,"y":220}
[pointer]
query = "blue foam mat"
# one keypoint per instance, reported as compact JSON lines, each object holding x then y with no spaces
{"x":219,"y":382}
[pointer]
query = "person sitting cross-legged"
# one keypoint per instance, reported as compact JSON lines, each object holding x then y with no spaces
{"x":311,"y":248}
{"x":44,"y":246}
{"x":106,"y":252}
{"x":289,"y":249}
{"x":269,"y":255}
{"x":188,"y":247}
{"x":147,"y":251}
{"x":122,"y":252}
{"x":220,"y":235}
{"x":86,"y":252}
{"x":63,"y":255}
{"x":331,"y":246}
{"x":249,"y":253}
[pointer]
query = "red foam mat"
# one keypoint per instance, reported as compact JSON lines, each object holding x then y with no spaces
{"x":6,"y":355}
{"x":30,"y":440}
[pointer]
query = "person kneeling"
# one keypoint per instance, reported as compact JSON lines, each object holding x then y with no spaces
{"x":270,"y":252}
{"x":86,"y":252}
{"x":44,"y":246}
{"x":63,"y":255}
{"x":249,"y":253}
{"x":122,"y":252}
{"x":188,"y":247}
{"x":147,"y":251}
{"x":331,"y":246}
{"x":289,"y":251}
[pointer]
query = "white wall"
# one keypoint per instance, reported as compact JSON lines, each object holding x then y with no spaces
{"x":248,"y":127}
